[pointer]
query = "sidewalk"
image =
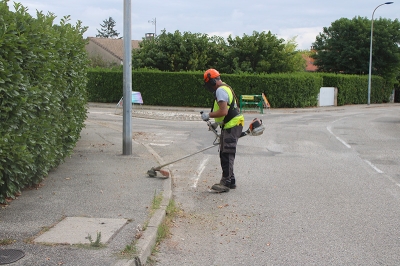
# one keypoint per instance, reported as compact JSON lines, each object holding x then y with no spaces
{"x":95,"y":190}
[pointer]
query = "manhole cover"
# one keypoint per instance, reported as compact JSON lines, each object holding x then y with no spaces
{"x":10,"y":255}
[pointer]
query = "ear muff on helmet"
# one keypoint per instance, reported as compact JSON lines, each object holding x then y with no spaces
{"x":211,"y":76}
{"x":211,"y":81}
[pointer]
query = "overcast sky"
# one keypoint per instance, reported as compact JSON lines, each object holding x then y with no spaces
{"x":284,"y":18}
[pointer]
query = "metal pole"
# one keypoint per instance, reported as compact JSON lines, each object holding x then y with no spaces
{"x":370,"y":52}
{"x":127,"y":71}
{"x":154,"y":21}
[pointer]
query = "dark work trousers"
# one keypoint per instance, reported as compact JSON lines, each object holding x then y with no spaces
{"x":227,"y":151}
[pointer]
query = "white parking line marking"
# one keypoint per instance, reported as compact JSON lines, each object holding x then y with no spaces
{"x":200,"y":170}
{"x":374,"y":167}
{"x":329,"y":128}
{"x":339,"y":139}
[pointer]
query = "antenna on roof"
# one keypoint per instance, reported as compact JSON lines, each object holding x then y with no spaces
{"x":154,"y":22}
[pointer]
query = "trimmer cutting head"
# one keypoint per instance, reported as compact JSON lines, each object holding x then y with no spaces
{"x":153,"y":172}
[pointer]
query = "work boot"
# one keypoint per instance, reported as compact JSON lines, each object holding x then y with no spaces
{"x":221,"y":186}
{"x":233,"y":184}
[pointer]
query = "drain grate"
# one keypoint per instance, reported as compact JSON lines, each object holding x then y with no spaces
{"x":10,"y":255}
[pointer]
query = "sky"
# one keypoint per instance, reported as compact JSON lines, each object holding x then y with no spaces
{"x":286,"y":19}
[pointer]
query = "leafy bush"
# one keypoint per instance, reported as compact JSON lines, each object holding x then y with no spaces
{"x":42,"y":95}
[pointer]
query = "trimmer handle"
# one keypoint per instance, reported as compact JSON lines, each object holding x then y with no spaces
{"x":210,"y":127}
{"x":201,"y":112}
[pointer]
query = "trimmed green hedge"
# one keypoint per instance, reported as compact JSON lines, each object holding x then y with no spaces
{"x":42,"y":95}
{"x":282,"y":90}
{"x":186,"y":88}
{"x":353,"y":89}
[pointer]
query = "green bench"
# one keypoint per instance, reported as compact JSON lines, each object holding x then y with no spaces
{"x":251,"y":102}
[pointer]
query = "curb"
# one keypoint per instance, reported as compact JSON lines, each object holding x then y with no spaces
{"x":147,"y":241}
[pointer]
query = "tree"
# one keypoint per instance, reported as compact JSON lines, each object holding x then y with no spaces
{"x":174,"y":52}
{"x":295,"y":61}
{"x":264,"y":53}
{"x":344,"y":47}
{"x":107,"y":29}
{"x":259,"y":53}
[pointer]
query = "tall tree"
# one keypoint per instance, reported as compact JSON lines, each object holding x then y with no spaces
{"x":107,"y":29}
{"x":294,"y":59}
{"x":344,"y":47}
{"x":262,"y":53}
{"x":259,"y":53}
{"x":174,"y":52}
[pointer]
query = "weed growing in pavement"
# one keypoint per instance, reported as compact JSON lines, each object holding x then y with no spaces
{"x":156,"y":202}
{"x":5,"y":242}
{"x":97,"y":243}
{"x":129,"y":251}
{"x":163,"y":230}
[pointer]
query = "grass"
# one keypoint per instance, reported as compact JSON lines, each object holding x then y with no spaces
{"x":7,"y":241}
{"x":156,"y":202}
{"x":97,"y":243}
{"x":163,"y":231}
{"x":130,"y":250}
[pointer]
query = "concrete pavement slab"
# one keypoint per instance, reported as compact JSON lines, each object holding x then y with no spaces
{"x":76,"y":230}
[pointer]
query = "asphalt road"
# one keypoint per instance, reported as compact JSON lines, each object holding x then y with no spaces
{"x":319,"y":187}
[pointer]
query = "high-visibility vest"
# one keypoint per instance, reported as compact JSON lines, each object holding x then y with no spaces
{"x":233,"y":118}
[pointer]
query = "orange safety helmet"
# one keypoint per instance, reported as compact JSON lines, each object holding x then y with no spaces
{"x":211,"y":76}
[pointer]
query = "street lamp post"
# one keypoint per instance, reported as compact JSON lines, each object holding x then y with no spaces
{"x":370,"y":52}
{"x":154,"y":22}
{"x":127,"y":80}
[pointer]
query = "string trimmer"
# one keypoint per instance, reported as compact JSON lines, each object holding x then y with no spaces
{"x":256,"y":128}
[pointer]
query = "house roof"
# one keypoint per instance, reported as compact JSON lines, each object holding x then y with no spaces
{"x":113,"y":46}
{"x":310,"y":63}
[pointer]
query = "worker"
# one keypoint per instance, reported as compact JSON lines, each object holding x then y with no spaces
{"x":226,"y":113}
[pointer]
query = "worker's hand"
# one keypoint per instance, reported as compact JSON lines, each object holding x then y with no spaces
{"x":205,"y":116}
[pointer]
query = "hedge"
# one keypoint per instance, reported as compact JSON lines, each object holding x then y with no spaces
{"x":42,"y":95}
{"x":186,"y":88}
{"x":353,"y":89}
{"x":282,"y":90}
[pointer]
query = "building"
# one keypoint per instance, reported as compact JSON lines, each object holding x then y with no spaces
{"x":109,"y":51}
{"x":310,"y":67}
